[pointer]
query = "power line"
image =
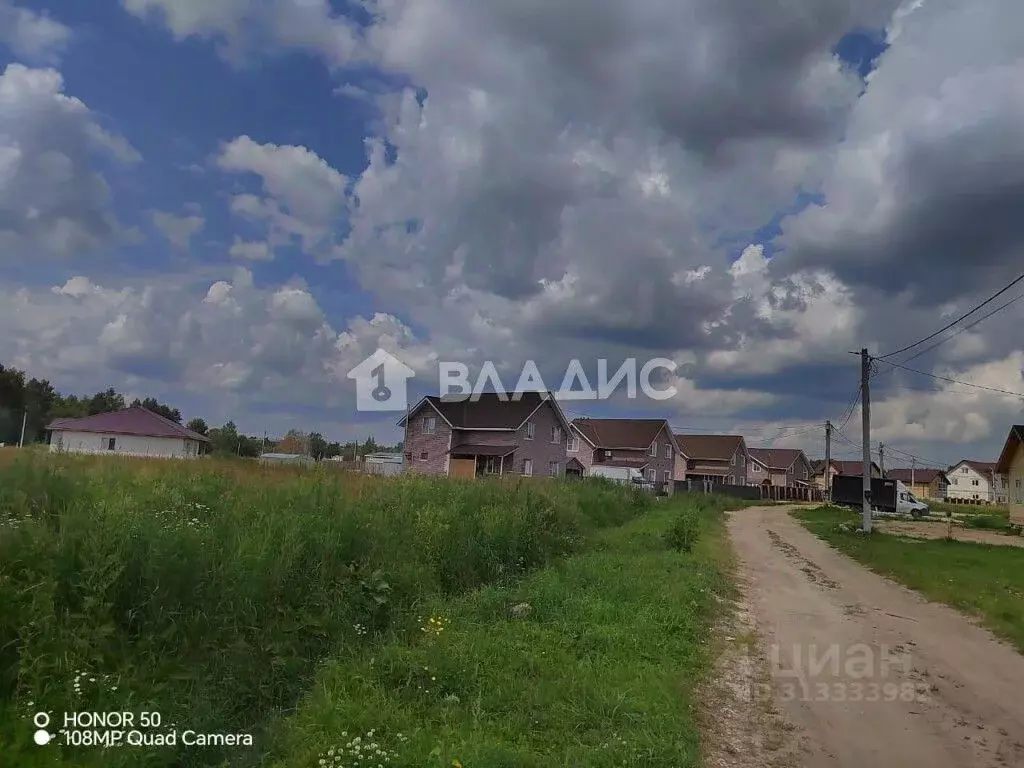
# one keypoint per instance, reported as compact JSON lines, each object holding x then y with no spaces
{"x":851,"y":409}
{"x":957,"y":381}
{"x":890,"y":449}
{"x":964,"y":316}
{"x":981,"y":319}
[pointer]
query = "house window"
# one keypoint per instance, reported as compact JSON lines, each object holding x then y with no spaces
{"x":668,"y":475}
{"x":955,"y":481}
{"x":652,"y":475}
{"x":963,"y":470}
{"x":528,"y":467}
{"x":574,"y":444}
{"x":111,"y":442}
{"x":1018,"y":483}
{"x":491,"y":466}
{"x":429,"y":425}
{"x":732,"y":461}
{"x":974,"y":482}
{"x":743,"y":460}
{"x":654,"y":449}
{"x":554,"y":468}
{"x":531,"y":431}
{"x":423,"y":456}
{"x":556,"y":435}
{"x":668,"y":451}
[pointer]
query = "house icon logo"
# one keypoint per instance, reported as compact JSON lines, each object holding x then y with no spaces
{"x":381,"y":383}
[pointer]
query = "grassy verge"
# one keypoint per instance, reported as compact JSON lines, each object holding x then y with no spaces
{"x":971,"y":510}
{"x":210,"y":591}
{"x":980,"y":579}
{"x":599,"y":670}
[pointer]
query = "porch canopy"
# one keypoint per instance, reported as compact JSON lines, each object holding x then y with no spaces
{"x":470,"y":449}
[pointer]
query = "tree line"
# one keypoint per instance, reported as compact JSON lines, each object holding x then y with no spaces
{"x":36,"y":403}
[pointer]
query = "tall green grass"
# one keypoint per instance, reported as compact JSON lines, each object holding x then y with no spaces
{"x":594,"y":661}
{"x":210,"y":594}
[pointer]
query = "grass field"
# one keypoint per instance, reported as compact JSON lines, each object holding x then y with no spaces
{"x":600,"y":671}
{"x":983,"y":580}
{"x":222,"y":595}
{"x":941,"y":508}
{"x":210,"y":591}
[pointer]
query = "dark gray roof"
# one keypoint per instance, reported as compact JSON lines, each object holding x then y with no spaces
{"x":490,"y":410}
{"x":775,"y":458}
{"x":713,"y":447}
{"x":636,"y":434}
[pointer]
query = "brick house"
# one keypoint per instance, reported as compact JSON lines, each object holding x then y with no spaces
{"x":715,"y":459}
{"x":646,"y":445}
{"x":781,"y":467}
{"x":522,"y":433}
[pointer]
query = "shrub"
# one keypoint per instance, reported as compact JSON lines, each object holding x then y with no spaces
{"x":986,"y":522}
{"x":684,"y":530}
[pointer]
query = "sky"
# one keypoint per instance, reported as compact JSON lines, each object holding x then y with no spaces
{"x":228,"y":204}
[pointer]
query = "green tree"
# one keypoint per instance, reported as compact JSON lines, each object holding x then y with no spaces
{"x":317,"y":446}
{"x":105,"y":402}
{"x":198,"y":426}
{"x":224,"y":440}
{"x":152,"y":404}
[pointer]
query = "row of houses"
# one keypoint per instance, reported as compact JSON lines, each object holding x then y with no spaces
{"x":531,"y":435}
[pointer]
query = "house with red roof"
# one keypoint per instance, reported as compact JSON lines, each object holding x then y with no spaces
{"x":130,"y":432}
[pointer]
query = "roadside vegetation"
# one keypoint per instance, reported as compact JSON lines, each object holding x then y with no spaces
{"x":592,"y":661}
{"x":941,"y":508}
{"x":984,"y":580}
{"x":211,"y":591}
{"x":336,"y":616}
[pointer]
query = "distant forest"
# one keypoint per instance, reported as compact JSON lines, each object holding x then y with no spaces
{"x":37,"y":403}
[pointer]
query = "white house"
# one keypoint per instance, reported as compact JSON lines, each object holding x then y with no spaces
{"x":131,"y":432}
{"x":976,"y":481}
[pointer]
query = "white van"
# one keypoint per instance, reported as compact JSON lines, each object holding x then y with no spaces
{"x":907,"y":504}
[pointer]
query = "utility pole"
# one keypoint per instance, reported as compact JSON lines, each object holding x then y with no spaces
{"x":24,"y":418}
{"x":913,"y":465}
{"x":828,"y":461}
{"x":865,"y":407}
{"x":881,"y":458}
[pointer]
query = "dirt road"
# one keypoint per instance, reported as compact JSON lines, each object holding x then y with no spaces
{"x":863,"y":671}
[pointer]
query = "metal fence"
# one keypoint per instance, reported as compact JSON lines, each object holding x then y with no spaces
{"x":751,"y":492}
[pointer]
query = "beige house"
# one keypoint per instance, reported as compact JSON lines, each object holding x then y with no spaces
{"x":1011,"y":465}
{"x":848,"y":468}
{"x":923,"y":483}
